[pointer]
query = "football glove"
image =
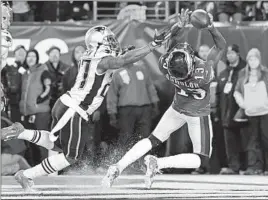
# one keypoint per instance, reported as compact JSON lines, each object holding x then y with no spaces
{"x":160,"y":38}
{"x":127,"y":49}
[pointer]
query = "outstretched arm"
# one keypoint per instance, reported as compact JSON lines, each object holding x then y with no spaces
{"x":132,"y":56}
{"x":218,"y":49}
{"x":178,"y":28}
{"x":128,"y":58}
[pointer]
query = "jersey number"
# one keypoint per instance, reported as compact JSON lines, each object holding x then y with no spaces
{"x":195,"y":93}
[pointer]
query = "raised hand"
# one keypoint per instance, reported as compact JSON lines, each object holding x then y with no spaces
{"x":210,"y":21}
{"x":184,"y":17}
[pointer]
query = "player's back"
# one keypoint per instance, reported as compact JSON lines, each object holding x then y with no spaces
{"x":192,"y":96}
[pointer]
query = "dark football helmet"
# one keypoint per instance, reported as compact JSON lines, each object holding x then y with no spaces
{"x":180,"y":61}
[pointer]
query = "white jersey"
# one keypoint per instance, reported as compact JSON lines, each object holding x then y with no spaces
{"x":90,"y":87}
{"x":6,"y":43}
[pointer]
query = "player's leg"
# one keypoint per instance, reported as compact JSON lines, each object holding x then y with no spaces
{"x":39,"y":137}
{"x":200,"y":131}
{"x":169,"y":122}
{"x":73,"y":144}
{"x":17,"y":131}
{"x":49,"y":165}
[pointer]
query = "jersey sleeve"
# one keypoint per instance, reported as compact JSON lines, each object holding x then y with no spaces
{"x":209,"y":74}
{"x":162,"y":64}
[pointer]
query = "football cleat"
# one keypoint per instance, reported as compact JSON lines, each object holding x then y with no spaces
{"x":12,"y":132}
{"x":112,"y":174}
{"x":152,"y":169}
{"x":25,"y":182}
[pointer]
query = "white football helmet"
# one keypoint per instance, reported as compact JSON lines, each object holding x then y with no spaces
{"x":101,"y":41}
{"x":6,"y":13}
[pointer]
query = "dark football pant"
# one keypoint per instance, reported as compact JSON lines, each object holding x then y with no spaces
{"x":71,"y":139}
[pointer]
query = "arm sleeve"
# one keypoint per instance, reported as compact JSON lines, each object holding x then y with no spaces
{"x":46,"y":81}
{"x":238,"y":93}
{"x":46,"y":78}
{"x":112,"y":96}
{"x":238,"y":86}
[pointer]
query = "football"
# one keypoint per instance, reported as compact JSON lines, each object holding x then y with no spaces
{"x":200,"y":19}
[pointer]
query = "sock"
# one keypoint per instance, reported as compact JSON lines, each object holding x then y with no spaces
{"x":40,"y":138}
{"x":185,"y":160}
{"x":136,"y":152}
{"x":48,"y":166}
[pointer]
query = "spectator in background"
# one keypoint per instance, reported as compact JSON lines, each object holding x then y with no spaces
{"x":56,"y":69}
{"x":70,"y":75}
{"x":22,"y":11}
{"x":252,"y":96}
{"x":227,"y":108}
{"x":203,"y":53}
{"x":81,"y":10}
{"x":261,"y":11}
{"x":230,"y":11}
{"x":11,"y":78}
{"x":132,"y":102}
{"x":34,"y":103}
{"x":208,"y":6}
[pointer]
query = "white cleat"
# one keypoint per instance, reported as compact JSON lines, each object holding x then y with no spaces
{"x":112,"y":174}
{"x":152,"y":169}
{"x":25,"y":182}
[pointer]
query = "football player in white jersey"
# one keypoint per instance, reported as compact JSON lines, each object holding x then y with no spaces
{"x":6,"y":38}
{"x":6,"y":43}
{"x":73,"y":109}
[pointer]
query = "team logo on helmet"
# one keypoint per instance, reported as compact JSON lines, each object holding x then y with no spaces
{"x":179,"y":62}
{"x":101,"y":40}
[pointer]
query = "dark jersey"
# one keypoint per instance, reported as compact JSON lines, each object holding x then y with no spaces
{"x":192,"y":96}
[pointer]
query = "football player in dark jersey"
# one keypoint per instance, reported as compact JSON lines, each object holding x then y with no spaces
{"x":74,"y":108}
{"x":191,"y":76}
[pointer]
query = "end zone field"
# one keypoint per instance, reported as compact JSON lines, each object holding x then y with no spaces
{"x":132,"y":187}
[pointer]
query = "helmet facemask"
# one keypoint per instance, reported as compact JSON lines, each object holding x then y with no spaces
{"x":6,"y":13}
{"x":180,"y":61}
{"x":112,"y":43}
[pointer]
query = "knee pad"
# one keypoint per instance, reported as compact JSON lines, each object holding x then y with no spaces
{"x":154,"y":140}
{"x":204,"y":161}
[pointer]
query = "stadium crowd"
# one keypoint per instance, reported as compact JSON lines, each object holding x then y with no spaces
{"x":222,"y":11}
{"x":239,"y":120}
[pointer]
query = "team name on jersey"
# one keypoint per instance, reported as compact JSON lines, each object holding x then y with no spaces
{"x":179,"y":83}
